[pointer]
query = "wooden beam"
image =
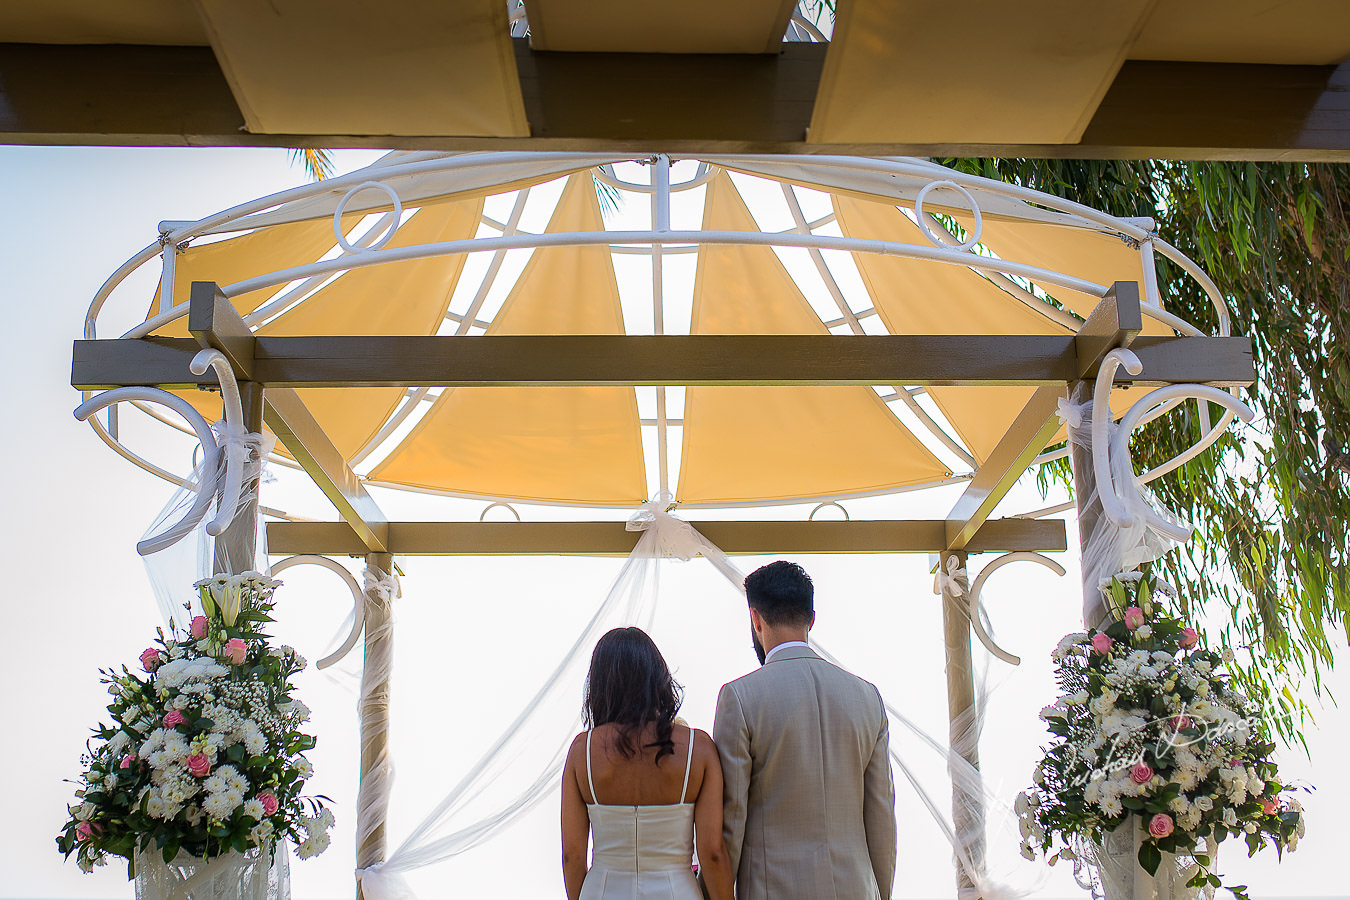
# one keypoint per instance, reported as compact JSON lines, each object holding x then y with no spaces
{"x":296,"y":429}
{"x":1025,"y":438}
{"x":213,"y":321}
{"x":612,"y":538}
{"x":177,"y":96}
{"x":553,"y":360}
{"x":1115,"y":322}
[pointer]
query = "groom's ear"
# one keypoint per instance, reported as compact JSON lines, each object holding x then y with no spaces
{"x":756,"y":620}
{"x":812,"y":623}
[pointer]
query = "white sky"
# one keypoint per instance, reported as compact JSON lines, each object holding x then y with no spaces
{"x":477,"y":635}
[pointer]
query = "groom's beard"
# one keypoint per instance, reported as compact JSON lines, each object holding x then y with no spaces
{"x":759,"y":647}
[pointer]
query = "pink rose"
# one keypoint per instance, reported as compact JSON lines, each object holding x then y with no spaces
{"x":269,"y":802}
{"x":1181,"y":722}
{"x":236,"y":650}
{"x":86,"y":831}
{"x":1141,"y":773}
{"x":1160,"y":826}
{"x":200,"y":626}
{"x":1189,"y":638}
{"x":1269,"y":805}
{"x":150,"y":659}
{"x":173,"y":717}
{"x":127,"y":761}
{"x":1134,"y":617}
{"x":198,"y":764}
{"x":1102,"y":643}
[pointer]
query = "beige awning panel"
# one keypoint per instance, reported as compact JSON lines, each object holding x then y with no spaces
{"x":1291,"y":32}
{"x":776,"y":443}
{"x":580,"y":445}
{"x":907,"y":71}
{"x":690,"y":26}
{"x":416,"y":67}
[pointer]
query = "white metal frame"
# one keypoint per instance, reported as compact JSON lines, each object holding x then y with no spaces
{"x":408,"y":179}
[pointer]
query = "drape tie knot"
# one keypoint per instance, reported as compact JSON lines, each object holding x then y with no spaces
{"x":674,"y":537}
{"x":382,"y":585}
{"x":948,"y":581}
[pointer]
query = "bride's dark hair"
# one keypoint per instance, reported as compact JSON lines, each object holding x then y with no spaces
{"x":629,"y":685}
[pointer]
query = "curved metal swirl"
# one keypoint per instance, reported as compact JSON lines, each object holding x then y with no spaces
{"x":236,"y":452}
{"x":976,"y":610}
{"x":206,"y":490}
{"x":358,"y":599}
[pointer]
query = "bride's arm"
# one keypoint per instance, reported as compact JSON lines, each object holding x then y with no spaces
{"x":575,"y":822}
{"x":714,"y":865}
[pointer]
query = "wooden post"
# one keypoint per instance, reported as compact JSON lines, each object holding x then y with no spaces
{"x":236,"y":548}
{"x":1089,"y":509}
{"x":375,"y":772}
{"x":967,"y":808}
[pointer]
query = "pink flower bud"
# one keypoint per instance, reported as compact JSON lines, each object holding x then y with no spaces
{"x":1134,"y":618}
{"x":200,"y":625}
{"x":1180,"y":723}
{"x":150,"y":659}
{"x":173,"y":717}
{"x":236,"y":650}
{"x":1141,"y":773}
{"x":198,"y":764}
{"x":1270,"y":805}
{"x":1161,"y":825}
{"x":269,"y":802}
{"x":1189,"y":638}
{"x":86,"y":831}
{"x":1102,"y":643}
{"x":127,"y":761}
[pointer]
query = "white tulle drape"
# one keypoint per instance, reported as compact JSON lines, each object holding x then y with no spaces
{"x":253,"y":875}
{"x":532,"y":749}
{"x":190,"y":553}
{"x":1111,"y":871}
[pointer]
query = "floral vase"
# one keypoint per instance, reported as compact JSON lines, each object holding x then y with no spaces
{"x":1120,"y":877}
{"x":256,"y":874}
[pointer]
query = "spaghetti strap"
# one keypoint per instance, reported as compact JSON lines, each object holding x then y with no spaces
{"x":589,"y":781}
{"x":689,"y":758}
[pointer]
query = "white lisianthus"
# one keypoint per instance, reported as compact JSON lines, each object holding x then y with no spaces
{"x":1144,"y":631}
{"x":1229,"y":817}
{"x":1227,"y":655}
{"x":1204,"y":803}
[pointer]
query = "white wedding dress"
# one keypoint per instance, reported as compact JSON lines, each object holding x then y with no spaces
{"x":641,"y":852}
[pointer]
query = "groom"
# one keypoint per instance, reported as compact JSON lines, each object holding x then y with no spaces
{"x":809,"y":800}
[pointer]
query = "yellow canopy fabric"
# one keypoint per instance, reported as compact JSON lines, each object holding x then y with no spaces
{"x":774,"y":443}
{"x":576,"y":444}
{"x":402,"y":298}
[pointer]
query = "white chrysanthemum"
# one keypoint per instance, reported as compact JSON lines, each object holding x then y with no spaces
{"x":1093,"y":792}
{"x":219,"y":806}
{"x":1111,"y":806}
{"x":306,"y":848}
{"x":155,"y":806}
{"x":255,"y":741}
{"x":254,"y":809}
{"x":303,"y":766}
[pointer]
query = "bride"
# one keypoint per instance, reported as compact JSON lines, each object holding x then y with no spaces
{"x":644,"y":785}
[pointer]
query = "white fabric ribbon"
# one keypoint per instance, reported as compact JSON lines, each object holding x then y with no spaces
{"x":382,"y":584}
{"x":1069,"y":413}
{"x":948,"y":581}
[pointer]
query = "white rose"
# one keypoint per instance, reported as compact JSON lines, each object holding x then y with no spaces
{"x":1204,"y":803}
{"x":1229,"y":817}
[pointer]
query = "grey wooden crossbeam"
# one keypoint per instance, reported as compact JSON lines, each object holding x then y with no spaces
{"x":1116,"y":322}
{"x":613,"y":539}
{"x":178,"y":96}
{"x":558,"y":360}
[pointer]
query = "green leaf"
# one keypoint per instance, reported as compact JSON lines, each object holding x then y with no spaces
{"x":1150,"y":857}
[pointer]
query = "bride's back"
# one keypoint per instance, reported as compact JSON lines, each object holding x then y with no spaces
{"x":641,"y":780}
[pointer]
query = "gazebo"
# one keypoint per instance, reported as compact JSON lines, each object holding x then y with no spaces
{"x":688,"y":331}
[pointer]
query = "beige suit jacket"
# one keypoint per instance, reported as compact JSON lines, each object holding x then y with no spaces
{"x":809,"y":798}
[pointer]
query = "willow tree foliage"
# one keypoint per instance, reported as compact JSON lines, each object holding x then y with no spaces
{"x":1271,"y":500}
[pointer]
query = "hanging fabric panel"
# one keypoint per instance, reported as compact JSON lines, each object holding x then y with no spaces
{"x":777,"y":443}
{"x":577,"y":444}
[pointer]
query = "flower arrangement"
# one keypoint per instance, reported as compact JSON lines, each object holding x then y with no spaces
{"x":1148,"y":724}
{"x":205,"y":751}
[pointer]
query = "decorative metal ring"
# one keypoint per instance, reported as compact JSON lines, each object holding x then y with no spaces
{"x":487,"y":509}
{"x":974,"y":238}
{"x":388,"y":235}
{"x":976,"y":621}
{"x":358,"y":599}
{"x":835,"y":504}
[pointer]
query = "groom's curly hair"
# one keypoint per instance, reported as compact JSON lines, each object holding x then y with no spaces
{"x":630,"y":685}
{"x":782,"y":593}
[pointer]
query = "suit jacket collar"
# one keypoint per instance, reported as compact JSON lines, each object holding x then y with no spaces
{"x":793,"y":653}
